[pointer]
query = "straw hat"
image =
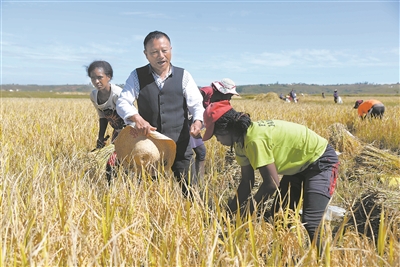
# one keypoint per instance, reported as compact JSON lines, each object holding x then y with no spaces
{"x":147,"y":151}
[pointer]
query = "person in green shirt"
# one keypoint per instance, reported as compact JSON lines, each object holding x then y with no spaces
{"x":276,"y":147}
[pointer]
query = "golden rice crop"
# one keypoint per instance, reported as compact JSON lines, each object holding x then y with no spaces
{"x":58,"y":209}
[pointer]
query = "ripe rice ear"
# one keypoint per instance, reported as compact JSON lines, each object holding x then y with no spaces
{"x":101,"y":156}
{"x":343,"y":141}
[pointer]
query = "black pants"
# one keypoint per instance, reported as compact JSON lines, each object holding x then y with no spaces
{"x":183,"y":165}
{"x":376,"y":111}
{"x":317,"y":183}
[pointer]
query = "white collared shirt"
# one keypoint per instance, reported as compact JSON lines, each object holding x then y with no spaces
{"x":130,"y":94}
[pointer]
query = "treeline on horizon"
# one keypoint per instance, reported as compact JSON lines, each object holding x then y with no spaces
{"x":344,"y":89}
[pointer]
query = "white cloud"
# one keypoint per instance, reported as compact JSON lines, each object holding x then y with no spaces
{"x":316,"y":58}
{"x":59,"y":52}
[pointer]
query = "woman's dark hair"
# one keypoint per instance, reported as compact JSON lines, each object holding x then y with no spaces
{"x":233,"y":122}
{"x":154,"y":35}
{"x":218,"y":96}
{"x":100,"y":64}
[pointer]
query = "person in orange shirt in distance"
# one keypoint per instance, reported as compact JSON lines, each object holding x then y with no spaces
{"x":370,"y":108}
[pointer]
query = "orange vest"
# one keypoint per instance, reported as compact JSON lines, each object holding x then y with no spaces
{"x":365,"y":106}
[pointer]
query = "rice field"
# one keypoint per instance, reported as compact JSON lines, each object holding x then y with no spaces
{"x":58,"y":210}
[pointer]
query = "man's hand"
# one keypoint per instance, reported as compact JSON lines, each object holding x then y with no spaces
{"x":141,"y":125}
{"x":195,"y":128}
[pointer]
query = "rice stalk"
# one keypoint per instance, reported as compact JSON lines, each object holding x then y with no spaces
{"x":343,"y":141}
{"x":382,"y":233}
{"x":143,"y":231}
{"x":252,"y":240}
{"x":367,"y":209}
{"x":327,"y":254}
{"x":367,"y":160}
{"x":101,"y":156}
{"x":380,"y":159}
{"x":391,"y":250}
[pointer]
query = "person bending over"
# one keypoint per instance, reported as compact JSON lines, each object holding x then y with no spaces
{"x":217,"y":91}
{"x":369,"y":108}
{"x":276,"y":147}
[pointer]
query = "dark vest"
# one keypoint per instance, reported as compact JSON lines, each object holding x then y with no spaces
{"x":165,"y":109}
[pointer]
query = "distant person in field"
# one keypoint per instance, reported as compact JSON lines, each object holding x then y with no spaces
{"x":217,"y":91}
{"x":369,"y":108}
{"x":293,"y":96}
{"x":104,"y":99}
{"x":335,"y":96}
{"x":323,"y":95}
{"x":309,"y":165}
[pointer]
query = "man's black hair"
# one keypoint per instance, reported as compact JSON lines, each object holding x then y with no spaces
{"x":154,"y":35}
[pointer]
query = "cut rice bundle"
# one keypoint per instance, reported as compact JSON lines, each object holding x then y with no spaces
{"x":268,"y":97}
{"x":101,"y":156}
{"x":368,"y":161}
{"x":343,"y":141}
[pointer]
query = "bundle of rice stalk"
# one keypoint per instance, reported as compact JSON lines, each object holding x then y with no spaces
{"x":268,"y":97}
{"x":101,"y":156}
{"x":380,"y":159}
{"x":369,"y":161}
{"x":343,"y":141}
{"x":373,"y":160}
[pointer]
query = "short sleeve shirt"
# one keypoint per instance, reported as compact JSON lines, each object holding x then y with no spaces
{"x":110,"y":104}
{"x":107,"y":110}
{"x":291,"y":146}
{"x":365,"y":106}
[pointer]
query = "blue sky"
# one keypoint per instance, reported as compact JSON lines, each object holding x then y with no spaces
{"x":251,"y":42}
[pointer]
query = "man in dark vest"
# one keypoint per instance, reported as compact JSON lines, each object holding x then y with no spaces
{"x":164,"y":95}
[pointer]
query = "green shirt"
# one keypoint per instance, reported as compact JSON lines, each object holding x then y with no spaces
{"x":291,"y":146}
